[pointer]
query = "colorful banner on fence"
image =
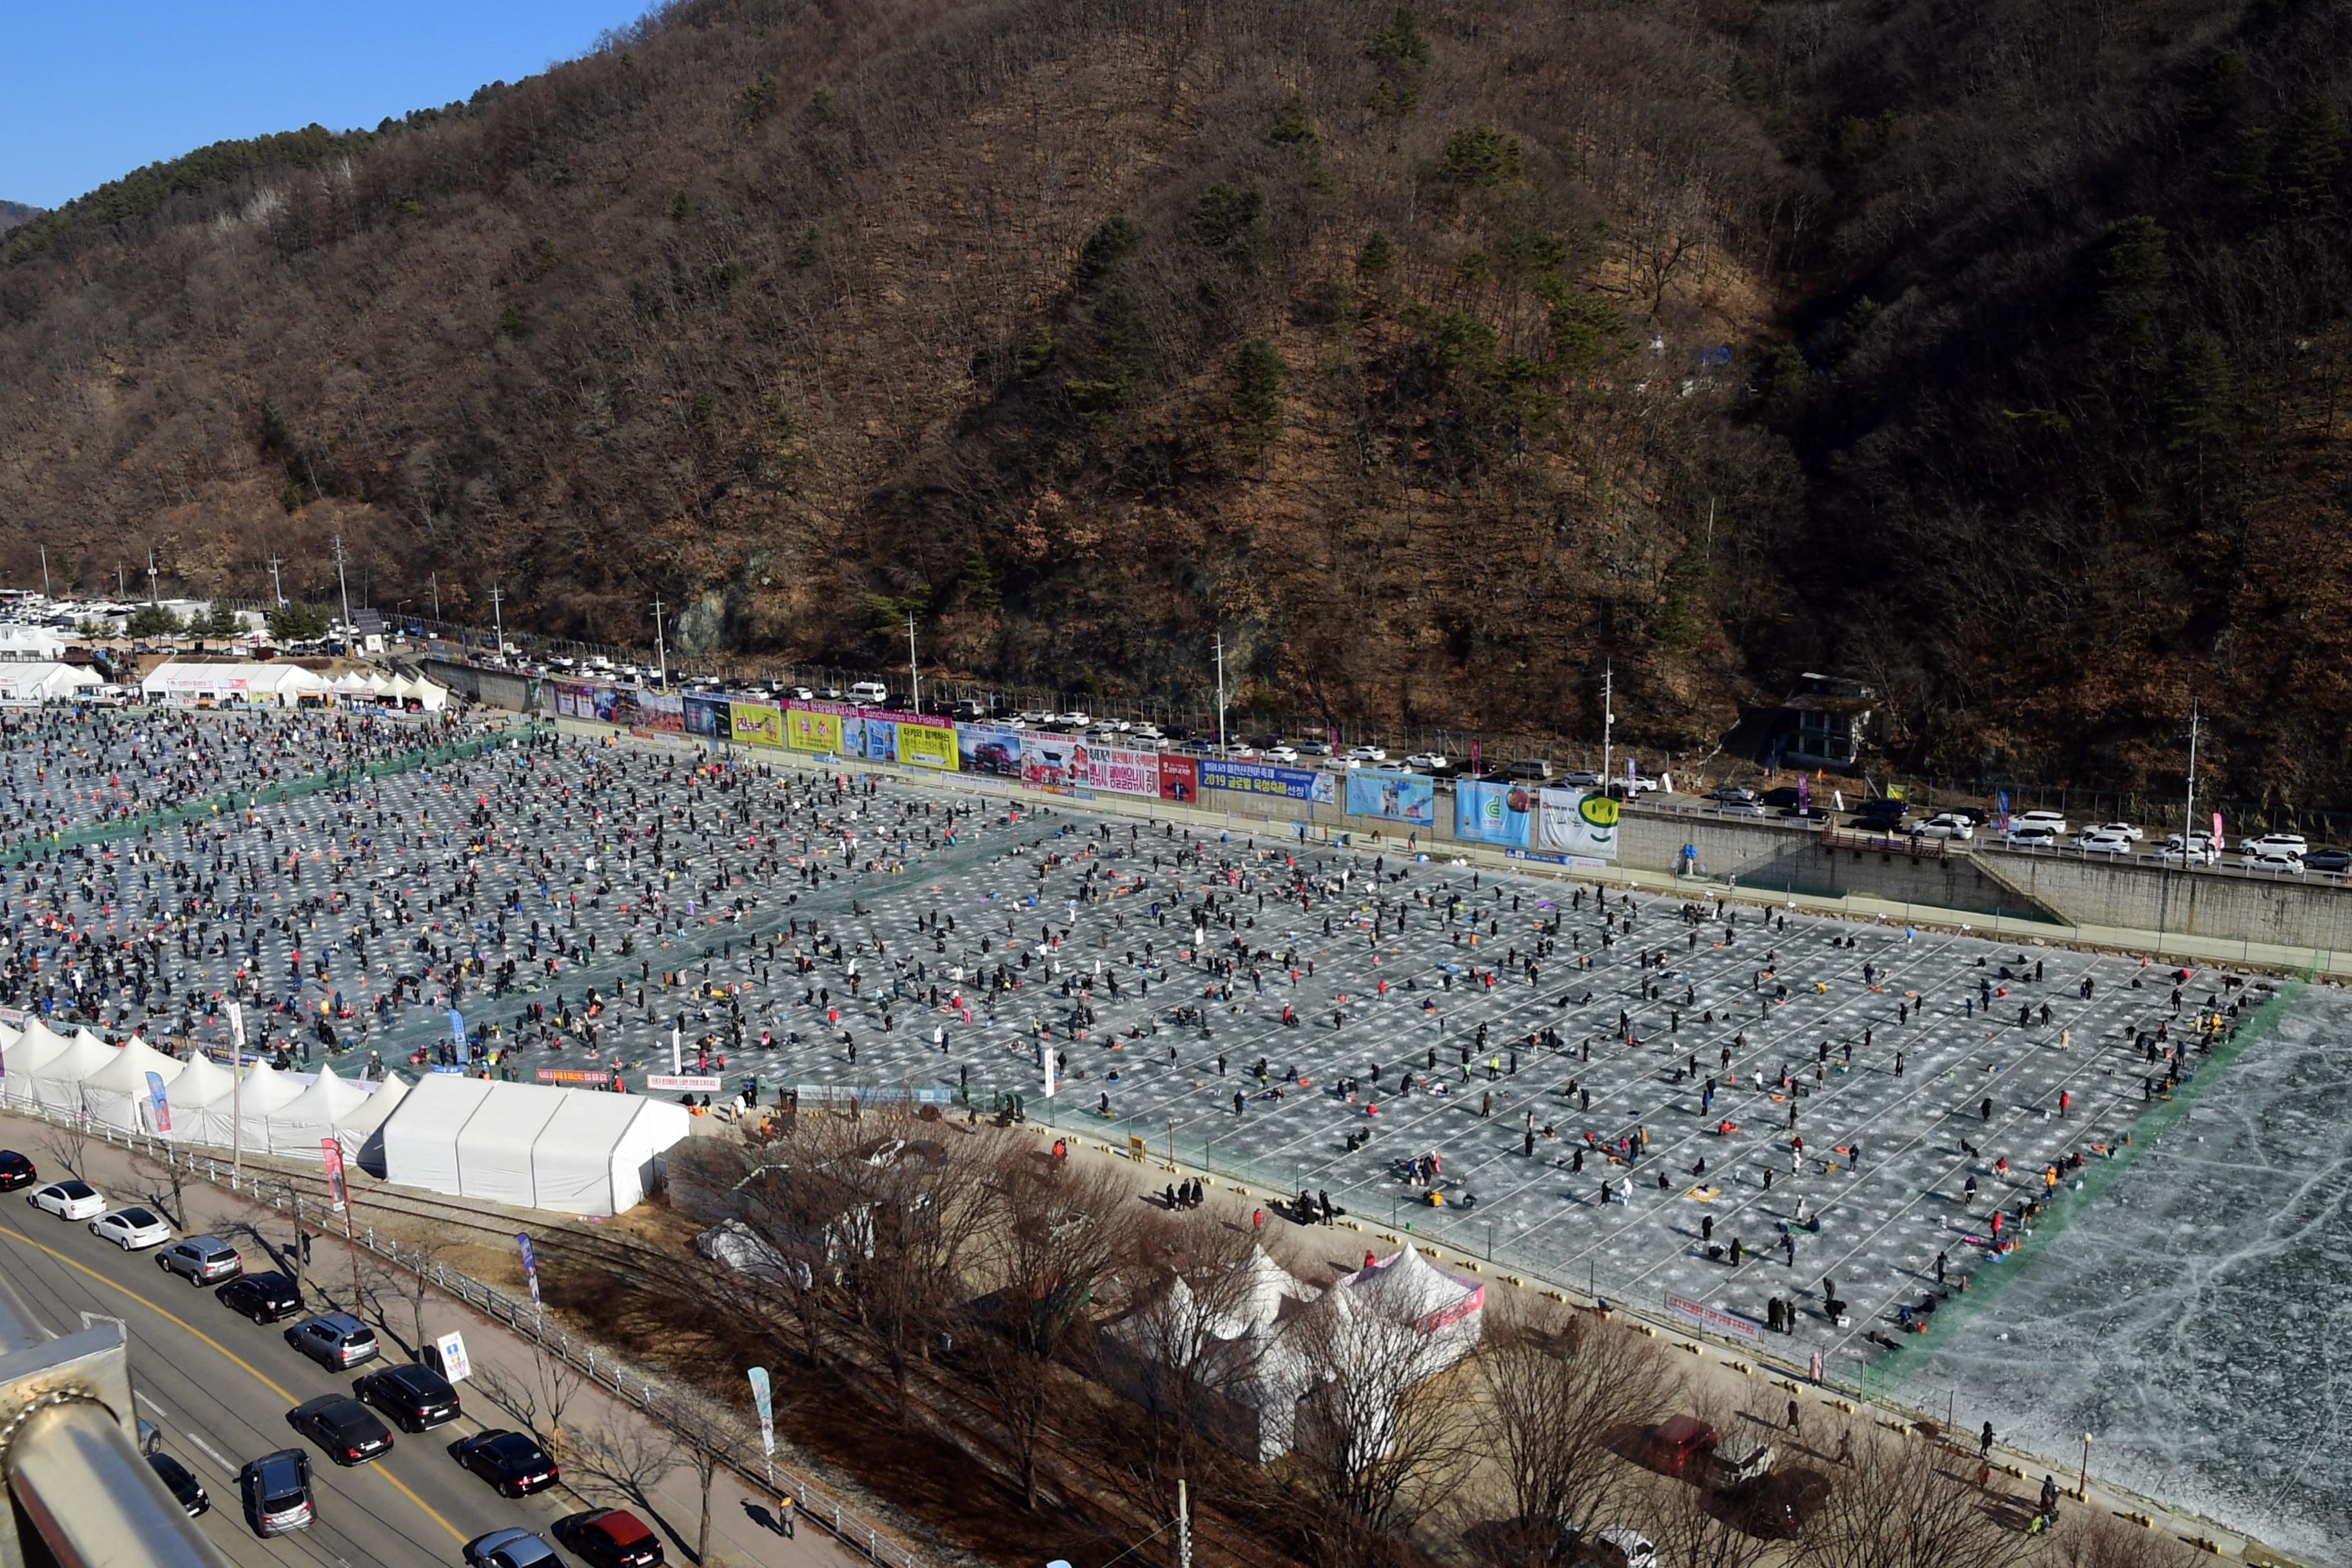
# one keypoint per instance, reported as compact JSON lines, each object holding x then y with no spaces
{"x":1179,"y":777}
{"x":1493,"y":812}
{"x":756,"y":723}
{"x":1118,"y":770}
{"x":1393,"y":797}
{"x":707,"y":716}
{"x":1578,"y":821}
{"x":814,"y":726}
{"x":1258,"y":778}
{"x":1047,"y":763}
{"x":926,"y":743}
{"x":989,"y":749}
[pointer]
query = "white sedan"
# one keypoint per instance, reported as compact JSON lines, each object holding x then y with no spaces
{"x":68,"y":1200}
{"x":2099,"y":841}
{"x":1944,"y":826}
{"x":131,"y":1229}
{"x":1367,"y":754}
{"x":1429,"y":762}
{"x":2123,"y":828}
{"x":1285,"y":754}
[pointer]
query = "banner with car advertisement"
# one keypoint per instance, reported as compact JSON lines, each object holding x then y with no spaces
{"x":1493,"y":812}
{"x":993,"y":749}
{"x":1261,"y":779}
{"x":1582,"y":822}
{"x":1392,"y":797}
{"x":926,"y":742}
{"x":815,"y":727}
{"x":756,"y":723}
{"x":1047,"y":763}
{"x":1120,"y":770}
{"x":707,"y":716}
{"x":1179,"y":778}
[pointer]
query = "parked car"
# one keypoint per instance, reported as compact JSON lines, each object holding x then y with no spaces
{"x":1780,"y":797}
{"x":2278,"y":843}
{"x":2129,"y":831}
{"x":1945,"y":825}
{"x":1287,"y":754}
{"x":2201,"y":848}
{"x":201,"y":1260}
{"x":1585,"y":778}
{"x":334,"y":1340}
{"x":509,"y":1548}
{"x":1428,"y":762}
{"x":1731,"y":794}
{"x":342,"y":1425}
{"x":1530,"y":770}
{"x":2033,"y":834}
{"x":1741,"y":808}
{"x":1615,"y":1546}
{"x":416,"y":1397}
{"x":185,"y":1489}
{"x":1149,"y":734}
{"x":1739,"y":1460}
{"x":68,"y":1200}
{"x":2099,"y":841}
{"x":510,"y":1461}
{"x":2328,"y":860}
{"x":16,"y":1170}
{"x":275,"y":1490}
{"x":2053,"y":820}
{"x":1367,"y":753}
{"x":1805,"y":814}
{"x":266,"y":1298}
{"x":610,"y":1538}
{"x":1679,"y":1446}
{"x":2271,"y":860}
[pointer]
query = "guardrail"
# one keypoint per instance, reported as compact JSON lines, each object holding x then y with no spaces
{"x":737,"y":1449}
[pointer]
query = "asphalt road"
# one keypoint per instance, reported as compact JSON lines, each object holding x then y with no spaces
{"x":219,"y":1386}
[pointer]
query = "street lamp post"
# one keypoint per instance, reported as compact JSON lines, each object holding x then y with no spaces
{"x":2082,"y":1488}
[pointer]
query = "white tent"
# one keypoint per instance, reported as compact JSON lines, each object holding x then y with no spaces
{"x":1435,"y":1316}
{"x":202,"y":1084}
{"x":576,"y":1150}
{"x":266,"y":1090}
{"x":23,"y":1055}
{"x":28,"y":684}
{"x":117,"y":1094}
{"x":298,"y":1128}
{"x":57,"y":1083}
{"x":363,"y":1129}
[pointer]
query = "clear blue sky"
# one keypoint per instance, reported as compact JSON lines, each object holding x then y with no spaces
{"x":93,"y":91}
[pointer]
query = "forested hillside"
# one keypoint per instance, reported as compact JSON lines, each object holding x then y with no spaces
{"x":14,"y":213}
{"x":1437,"y":354}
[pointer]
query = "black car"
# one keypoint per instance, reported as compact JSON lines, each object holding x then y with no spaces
{"x":345,"y":1428}
{"x":416,"y":1397}
{"x":1775,"y":1507}
{"x":264,"y":1297}
{"x":16,"y":1171}
{"x":189,"y":1491}
{"x":510,"y":1461}
{"x":1785,"y":795}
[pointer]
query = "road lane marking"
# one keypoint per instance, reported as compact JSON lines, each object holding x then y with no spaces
{"x":140,"y":1394}
{"x":259,"y":1375}
{"x":195,"y":1436}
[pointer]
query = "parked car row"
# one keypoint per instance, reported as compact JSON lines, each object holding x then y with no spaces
{"x":276,"y":1491}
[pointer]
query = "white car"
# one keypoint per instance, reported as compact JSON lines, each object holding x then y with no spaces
{"x":2033,"y":834}
{"x":1367,"y":754}
{"x":2271,"y":860}
{"x":1739,"y":808}
{"x":1148,"y":732}
{"x":2276,"y":843}
{"x":870,"y":691}
{"x":1642,"y":783}
{"x":2055,"y":821}
{"x":799,"y":693}
{"x":1429,"y":762}
{"x":1121,"y":725}
{"x":68,"y":1200}
{"x":1035,"y":716}
{"x":131,"y":1229}
{"x":2202,"y":846}
{"x":1287,"y":754}
{"x":1944,"y":826}
{"x":2124,"y":828}
{"x":2099,"y":841}
{"x":1074,"y":720}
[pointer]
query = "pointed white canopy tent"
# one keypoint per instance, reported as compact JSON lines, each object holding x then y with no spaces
{"x":297,"y":1128}
{"x":118,"y":1094}
{"x":203,"y":1083}
{"x":57,"y":1084}
{"x":266,"y":1090}
{"x":30,"y":1050}
{"x":361,"y":1131}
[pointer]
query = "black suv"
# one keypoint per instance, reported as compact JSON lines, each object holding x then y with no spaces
{"x":416,"y":1397}
{"x":264,"y":1297}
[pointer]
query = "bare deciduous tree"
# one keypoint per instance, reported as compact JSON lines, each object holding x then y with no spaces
{"x":1905,"y":1503}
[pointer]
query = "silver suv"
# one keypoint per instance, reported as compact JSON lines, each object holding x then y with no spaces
{"x":201,"y":1260}
{"x":334,"y":1340}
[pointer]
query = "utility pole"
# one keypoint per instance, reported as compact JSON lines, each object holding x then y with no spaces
{"x":661,"y":649}
{"x":914,"y":670}
{"x":348,"y":630}
{"x":1221,"y":694}
{"x":1607,"y":717}
{"x":1183,"y":1528}
{"x":121,"y":589}
{"x":2188,"y":828}
{"x":436,"y":595}
{"x":277,"y":588}
{"x":151,"y":575}
{"x":498,"y":596}
{"x":45,"y":570}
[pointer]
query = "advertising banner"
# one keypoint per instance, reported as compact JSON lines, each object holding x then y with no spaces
{"x":1047,"y":761}
{"x":874,"y":737}
{"x":706,"y":717}
{"x":756,"y":723}
{"x":1118,"y":770}
{"x":562,"y":1075}
{"x":1579,"y":821}
{"x":1392,"y":797}
{"x":158,"y":1102}
{"x":1493,"y":812}
{"x":926,"y":743}
{"x":1714,"y":1319}
{"x":661,"y":713}
{"x":1258,"y":778}
{"x":457,"y":1366}
{"x":694,"y":1083}
{"x":607,"y":700}
{"x":1179,"y":779}
{"x":989,"y":749}
{"x":813,"y":727}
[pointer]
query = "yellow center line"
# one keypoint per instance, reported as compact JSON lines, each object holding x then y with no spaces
{"x":259,"y":1375}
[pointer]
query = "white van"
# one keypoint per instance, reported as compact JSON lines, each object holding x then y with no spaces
{"x":870,"y":692}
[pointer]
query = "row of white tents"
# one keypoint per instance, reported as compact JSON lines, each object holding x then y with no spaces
{"x":284,"y":683}
{"x":287,"y":1115}
{"x":529,"y":1145}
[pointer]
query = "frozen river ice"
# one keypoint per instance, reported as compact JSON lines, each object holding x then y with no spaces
{"x":2197,"y":1323}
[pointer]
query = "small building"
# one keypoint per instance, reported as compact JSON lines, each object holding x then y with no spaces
{"x":1827,"y":722}
{"x":29,"y":683}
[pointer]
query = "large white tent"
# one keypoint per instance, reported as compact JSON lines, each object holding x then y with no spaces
{"x":531,"y":1145}
{"x":31,"y":683}
{"x":25,"y":1056}
{"x":203,"y":1083}
{"x":266,"y":1091}
{"x":118,"y":1095}
{"x":298,"y":1128}
{"x":361,"y":1131}
{"x":57,"y":1083}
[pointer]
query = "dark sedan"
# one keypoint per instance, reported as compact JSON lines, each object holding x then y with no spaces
{"x":416,"y":1397}
{"x":264,"y":1297}
{"x":184,"y":1487}
{"x":16,"y":1171}
{"x":345,"y":1428}
{"x":510,"y":1461}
